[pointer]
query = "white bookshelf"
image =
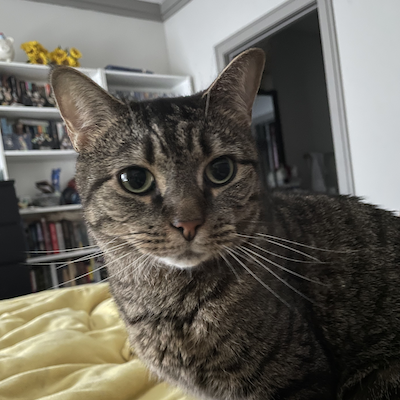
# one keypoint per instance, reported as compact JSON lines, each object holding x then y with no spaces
{"x":39,"y":155}
{"x":48,"y":210}
{"x":28,"y":167}
{"x":65,"y":255}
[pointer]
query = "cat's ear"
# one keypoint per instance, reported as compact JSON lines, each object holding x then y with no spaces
{"x":87,"y":109}
{"x":237,"y":85}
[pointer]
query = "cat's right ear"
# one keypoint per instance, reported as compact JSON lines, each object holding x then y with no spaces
{"x":237,"y":85}
{"x":87,"y":109}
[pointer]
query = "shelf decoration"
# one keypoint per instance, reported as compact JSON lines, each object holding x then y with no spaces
{"x":6,"y":48}
{"x":37,"y":54}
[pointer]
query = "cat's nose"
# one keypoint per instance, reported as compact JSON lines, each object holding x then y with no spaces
{"x":188,"y":228}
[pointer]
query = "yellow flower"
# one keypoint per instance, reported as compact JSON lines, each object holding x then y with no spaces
{"x":31,"y":51}
{"x":75,"y":53}
{"x":58,"y":56}
{"x":72,"y":62}
{"x":42,"y":59}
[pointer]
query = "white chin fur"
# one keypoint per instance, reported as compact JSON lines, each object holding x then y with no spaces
{"x":182,"y":264}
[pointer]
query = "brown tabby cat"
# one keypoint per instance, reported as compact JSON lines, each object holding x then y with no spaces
{"x":226,"y":291}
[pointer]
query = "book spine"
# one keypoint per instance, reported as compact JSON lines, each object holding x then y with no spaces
{"x":53,"y":237}
{"x":67,"y":240}
{"x":60,"y":236}
{"x":72,"y":238}
{"x":40,"y":238}
{"x":46,"y":236}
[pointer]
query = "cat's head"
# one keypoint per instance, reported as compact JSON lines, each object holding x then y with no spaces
{"x":176,"y":178}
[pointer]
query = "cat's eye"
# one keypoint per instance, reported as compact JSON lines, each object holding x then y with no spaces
{"x":136,"y":180}
{"x":220,"y":171}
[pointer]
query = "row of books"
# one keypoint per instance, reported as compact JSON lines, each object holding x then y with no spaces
{"x":130,"y":95}
{"x":68,"y":274}
{"x":53,"y":237}
{"x":32,"y":134}
{"x":17,"y":92}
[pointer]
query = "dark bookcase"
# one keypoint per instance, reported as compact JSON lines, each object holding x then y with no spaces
{"x":14,"y":275}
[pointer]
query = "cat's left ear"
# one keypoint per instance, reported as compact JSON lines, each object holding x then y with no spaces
{"x":87,"y":109}
{"x":236,"y":87}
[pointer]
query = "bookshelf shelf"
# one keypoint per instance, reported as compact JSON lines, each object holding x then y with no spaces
{"x":39,"y":155}
{"x":65,"y":255}
{"x":46,"y":210}
{"x":44,"y":113}
{"x":148,"y":82}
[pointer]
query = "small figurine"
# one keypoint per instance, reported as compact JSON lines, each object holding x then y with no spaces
{"x":6,"y":48}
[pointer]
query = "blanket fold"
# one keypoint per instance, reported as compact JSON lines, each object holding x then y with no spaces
{"x":70,"y":344}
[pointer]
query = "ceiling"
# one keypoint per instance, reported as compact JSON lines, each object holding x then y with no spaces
{"x":155,"y":10}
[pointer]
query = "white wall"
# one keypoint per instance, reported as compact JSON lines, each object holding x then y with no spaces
{"x":194,"y":31}
{"x":368,"y":33}
{"x":103,"y":39}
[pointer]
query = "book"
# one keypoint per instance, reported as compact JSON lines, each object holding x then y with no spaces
{"x":60,"y":236}
{"x":40,"y":237}
{"x":46,"y":236}
{"x":67,"y":239}
{"x":53,"y":237}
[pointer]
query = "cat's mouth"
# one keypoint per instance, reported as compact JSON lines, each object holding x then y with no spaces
{"x":186,"y":259}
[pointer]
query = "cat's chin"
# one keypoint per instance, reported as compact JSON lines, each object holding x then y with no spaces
{"x":185,"y":261}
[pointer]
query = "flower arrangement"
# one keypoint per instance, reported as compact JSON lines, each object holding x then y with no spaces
{"x":37,"y":54}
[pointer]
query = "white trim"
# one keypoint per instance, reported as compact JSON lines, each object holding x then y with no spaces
{"x":278,"y":19}
{"x":131,"y":8}
{"x":268,"y":24}
{"x":337,"y":109}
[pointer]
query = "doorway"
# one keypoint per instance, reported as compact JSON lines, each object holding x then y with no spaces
{"x":298,"y":116}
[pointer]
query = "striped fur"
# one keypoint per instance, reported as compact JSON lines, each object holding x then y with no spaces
{"x":238,"y":313}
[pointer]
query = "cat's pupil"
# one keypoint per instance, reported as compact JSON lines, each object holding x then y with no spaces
{"x":220,"y":169}
{"x":137,"y":180}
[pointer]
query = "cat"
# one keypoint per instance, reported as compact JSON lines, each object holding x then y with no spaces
{"x":228,"y":291}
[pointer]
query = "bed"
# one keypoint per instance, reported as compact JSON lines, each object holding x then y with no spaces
{"x":71,"y":344}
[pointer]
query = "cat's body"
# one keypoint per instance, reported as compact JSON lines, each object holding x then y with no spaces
{"x":226,"y":291}
{"x":214,"y":333}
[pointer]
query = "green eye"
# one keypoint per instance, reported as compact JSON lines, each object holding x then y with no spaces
{"x":220,"y":171}
{"x":136,"y":180}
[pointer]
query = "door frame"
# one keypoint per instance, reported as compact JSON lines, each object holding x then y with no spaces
{"x":278,"y":19}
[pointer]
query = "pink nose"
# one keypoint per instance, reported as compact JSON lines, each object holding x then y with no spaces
{"x":188,"y":228}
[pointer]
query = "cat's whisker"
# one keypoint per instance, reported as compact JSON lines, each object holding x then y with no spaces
{"x":93,"y":255}
{"x":69,"y":250}
{"x":280,"y":245}
{"x":129,"y":266}
{"x":231,"y":253}
{"x":280,"y":266}
{"x":229,"y":265}
{"x":272,"y":273}
{"x":91,"y":272}
{"x":283,"y":257}
{"x":304,"y":245}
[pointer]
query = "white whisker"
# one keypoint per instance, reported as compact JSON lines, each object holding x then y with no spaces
{"x":230,"y":265}
{"x":274,"y":274}
{"x":281,"y":245}
{"x":128,"y":266}
{"x":91,"y":272}
{"x":304,"y":245}
{"x":280,"y":266}
{"x":256,"y":277}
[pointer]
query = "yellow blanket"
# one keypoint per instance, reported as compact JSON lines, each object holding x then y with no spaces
{"x":70,"y":344}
